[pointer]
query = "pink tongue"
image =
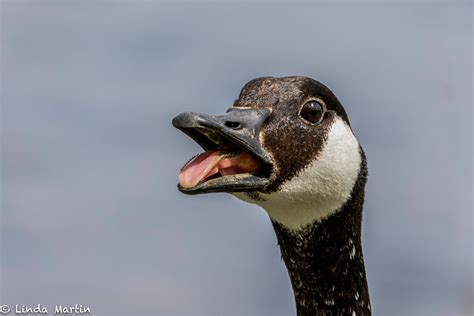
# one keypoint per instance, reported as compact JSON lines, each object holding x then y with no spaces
{"x":212,"y":162}
{"x":199,"y":168}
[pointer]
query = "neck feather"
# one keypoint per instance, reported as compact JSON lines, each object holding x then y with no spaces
{"x":325,"y":261}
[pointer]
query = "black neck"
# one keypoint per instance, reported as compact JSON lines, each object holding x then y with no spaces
{"x":325,"y":261}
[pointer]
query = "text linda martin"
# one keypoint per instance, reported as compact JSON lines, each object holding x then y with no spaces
{"x":58,"y":309}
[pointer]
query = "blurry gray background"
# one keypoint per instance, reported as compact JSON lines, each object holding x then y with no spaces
{"x":90,"y":212}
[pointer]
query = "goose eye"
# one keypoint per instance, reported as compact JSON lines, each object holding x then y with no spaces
{"x":312,"y":111}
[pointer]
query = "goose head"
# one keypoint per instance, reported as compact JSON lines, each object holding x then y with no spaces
{"x":285,"y":144}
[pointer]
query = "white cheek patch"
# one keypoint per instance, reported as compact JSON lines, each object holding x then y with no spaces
{"x":322,"y":187}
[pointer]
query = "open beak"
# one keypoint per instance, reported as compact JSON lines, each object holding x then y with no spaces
{"x":234,"y":159}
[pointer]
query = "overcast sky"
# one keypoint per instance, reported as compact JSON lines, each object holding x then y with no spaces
{"x":90,"y":210}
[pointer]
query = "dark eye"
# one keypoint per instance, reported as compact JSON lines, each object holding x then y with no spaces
{"x":312,"y":111}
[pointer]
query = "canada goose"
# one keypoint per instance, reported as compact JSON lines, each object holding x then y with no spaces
{"x":286,"y":144}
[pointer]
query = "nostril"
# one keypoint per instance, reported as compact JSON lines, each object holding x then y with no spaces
{"x":233,"y":125}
